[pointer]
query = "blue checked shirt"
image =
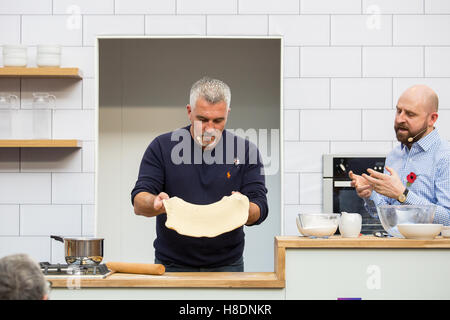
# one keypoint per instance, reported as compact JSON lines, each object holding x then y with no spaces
{"x":429,"y":159}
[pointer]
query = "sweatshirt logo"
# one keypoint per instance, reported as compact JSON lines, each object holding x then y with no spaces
{"x":228,"y":175}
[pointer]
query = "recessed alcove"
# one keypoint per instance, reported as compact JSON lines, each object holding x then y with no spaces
{"x":143,"y":90}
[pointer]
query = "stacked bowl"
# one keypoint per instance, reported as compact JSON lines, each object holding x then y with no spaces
{"x":48,"y":55}
{"x":15,"y":55}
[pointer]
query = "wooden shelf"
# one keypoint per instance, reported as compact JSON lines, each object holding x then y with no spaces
{"x":40,"y":143}
{"x":44,"y":72}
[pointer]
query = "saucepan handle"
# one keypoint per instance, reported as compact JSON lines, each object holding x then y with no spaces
{"x":58,"y":238}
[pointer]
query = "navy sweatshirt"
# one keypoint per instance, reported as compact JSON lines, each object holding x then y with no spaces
{"x":175,"y":164}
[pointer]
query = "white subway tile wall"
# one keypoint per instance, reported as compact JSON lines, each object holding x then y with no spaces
{"x":144,"y":7}
{"x":223,"y":25}
{"x":393,"y":62}
{"x":364,"y":92}
{"x":291,"y":58}
{"x":421,"y":30}
{"x":50,"y":160}
{"x":345,"y":64}
{"x":310,"y":188}
{"x":330,"y":62}
{"x":291,"y":185}
{"x":330,"y":6}
{"x":37,"y":29}
{"x":111,"y":24}
{"x":68,"y":91}
{"x":303,"y":156}
{"x":84,"y":6}
{"x":393,"y":6}
{"x":88,"y":220}
{"x":437,"y":62}
{"x":437,"y":6}
{"x":361,"y":30}
{"x":300,"y":93}
{"x":73,"y":188}
{"x":46,"y":220}
{"x":12,"y":24}
{"x":158,"y":25}
{"x":9,"y":220}
{"x":74,"y":124}
{"x":301,"y":30}
{"x":26,"y":7}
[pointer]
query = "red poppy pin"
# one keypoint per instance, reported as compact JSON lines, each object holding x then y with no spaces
{"x":411,"y":177}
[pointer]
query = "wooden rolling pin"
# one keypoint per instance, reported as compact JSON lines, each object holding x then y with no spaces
{"x":138,"y":268}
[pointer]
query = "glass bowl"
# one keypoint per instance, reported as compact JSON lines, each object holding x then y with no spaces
{"x":318,"y":225}
{"x":393,"y":215}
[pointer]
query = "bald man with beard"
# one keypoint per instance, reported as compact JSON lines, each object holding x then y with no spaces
{"x":417,"y":172}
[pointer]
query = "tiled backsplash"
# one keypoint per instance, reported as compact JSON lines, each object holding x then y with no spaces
{"x":345,"y":64}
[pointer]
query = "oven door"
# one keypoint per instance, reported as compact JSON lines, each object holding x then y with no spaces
{"x":342,"y":197}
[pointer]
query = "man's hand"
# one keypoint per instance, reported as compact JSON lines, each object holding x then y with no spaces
{"x":254,"y":212}
{"x":149,"y":205}
{"x":362,"y":186}
{"x":388,"y":185}
{"x":158,"y":203}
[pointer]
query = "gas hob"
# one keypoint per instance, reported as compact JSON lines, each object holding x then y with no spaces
{"x":83,"y":271}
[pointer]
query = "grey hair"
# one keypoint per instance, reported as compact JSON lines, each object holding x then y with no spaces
{"x":212,"y":90}
{"x":21,"y":278}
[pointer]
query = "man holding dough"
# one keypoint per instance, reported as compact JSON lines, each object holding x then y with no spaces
{"x":418,"y":170}
{"x":200,"y":182}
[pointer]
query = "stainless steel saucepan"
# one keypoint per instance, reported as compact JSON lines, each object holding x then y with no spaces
{"x":82,"y":250}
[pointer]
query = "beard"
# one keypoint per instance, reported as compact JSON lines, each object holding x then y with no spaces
{"x":403,"y":133}
{"x":207,"y":139}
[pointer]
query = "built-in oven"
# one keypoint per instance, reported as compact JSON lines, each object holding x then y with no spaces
{"x":339,"y":195}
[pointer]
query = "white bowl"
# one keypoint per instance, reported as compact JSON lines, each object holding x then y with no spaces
{"x":14,"y":62}
{"x":15,"y":55}
{"x":14,"y":48}
{"x":48,"y":60}
{"x":49,"y":48}
{"x":317,"y":224}
{"x":420,"y":231}
{"x":445,"y":232}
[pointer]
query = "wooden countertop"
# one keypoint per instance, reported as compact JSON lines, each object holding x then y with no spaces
{"x":179,"y":279}
{"x":274,"y":279}
{"x":365,"y":242}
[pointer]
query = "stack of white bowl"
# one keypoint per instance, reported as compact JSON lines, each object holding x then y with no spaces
{"x":15,"y":55}
{"x":48,"y":55}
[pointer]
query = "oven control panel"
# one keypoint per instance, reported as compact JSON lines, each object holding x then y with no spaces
{"x":359,"y":165}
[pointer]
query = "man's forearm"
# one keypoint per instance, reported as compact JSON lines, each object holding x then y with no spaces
{"x":254,"y":212}
{"x":144,"y":205}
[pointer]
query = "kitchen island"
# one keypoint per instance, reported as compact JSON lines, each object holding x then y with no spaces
{"x":365,"y":267}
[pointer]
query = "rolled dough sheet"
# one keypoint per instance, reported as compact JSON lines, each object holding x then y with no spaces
{"x":209,"y":220}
